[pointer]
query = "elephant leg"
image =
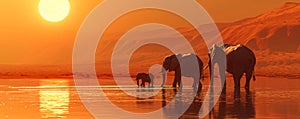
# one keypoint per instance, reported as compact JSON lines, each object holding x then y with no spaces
{"x":248,"y":78}
{"x":174,"y":83}
{"x":178,"y":81}
{"x":151,"y":83}
{"x":200,"y":77}
{"x":143,"y":83}
{"x":196,"y":82}
{"x":222,"y":71}
{"x":138,"y":82}
{"x":180,"y":84}
{"x":200,"y":86}
{"x":224,"y":83}
{"x":237,"y":77}
{"x":177,"y":78}
{"x":237,"y":93}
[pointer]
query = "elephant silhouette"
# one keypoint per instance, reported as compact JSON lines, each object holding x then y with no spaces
{"x":145,"y":78}
{"x":189,"y":65}
{"x":239,"y":59}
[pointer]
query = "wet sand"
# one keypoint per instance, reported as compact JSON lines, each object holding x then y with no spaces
{"x":269,"y":97}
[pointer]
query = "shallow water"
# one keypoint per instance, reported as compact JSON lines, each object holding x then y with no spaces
{"x":269,"y":97}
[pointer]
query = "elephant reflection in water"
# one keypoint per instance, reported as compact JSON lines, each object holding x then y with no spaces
{"x":242,"y":107}
{"x":144,"y":101}
{"x":239,"y":60}
{"x":144,"y":97}
{"x":189,"y":65}
{"x":194,"y":108}
{"x":180,"y":104}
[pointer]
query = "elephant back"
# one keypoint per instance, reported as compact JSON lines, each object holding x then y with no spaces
{"x":230,"y":48}
{"x":240,"y":57}
{"x":190,"y":64}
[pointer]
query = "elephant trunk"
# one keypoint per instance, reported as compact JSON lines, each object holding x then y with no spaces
{"x":137,"y":81}
{"x":163,"y":73}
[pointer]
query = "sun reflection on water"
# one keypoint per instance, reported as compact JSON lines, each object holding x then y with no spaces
{"x":54,"y":102}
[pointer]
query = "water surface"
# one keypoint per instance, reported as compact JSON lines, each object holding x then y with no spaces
{"x":269,"y":97}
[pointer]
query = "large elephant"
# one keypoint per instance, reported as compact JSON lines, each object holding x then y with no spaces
{"x":189,"y":65}
{"x":239,"y":60}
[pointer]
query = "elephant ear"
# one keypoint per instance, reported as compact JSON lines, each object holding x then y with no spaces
{"x":174,"y":61}
{"x":151,"y":75}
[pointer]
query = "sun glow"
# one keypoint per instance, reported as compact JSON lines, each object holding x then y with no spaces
{"x":54,"y":10}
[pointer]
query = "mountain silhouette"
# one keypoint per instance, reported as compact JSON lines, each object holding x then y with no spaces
{"x":276,"y":30}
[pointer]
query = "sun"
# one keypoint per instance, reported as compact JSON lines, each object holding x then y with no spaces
{"x":54,"y":10}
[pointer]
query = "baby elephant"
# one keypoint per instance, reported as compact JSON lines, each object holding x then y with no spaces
{"x":145,"y":78}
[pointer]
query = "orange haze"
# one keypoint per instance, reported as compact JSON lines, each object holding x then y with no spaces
{"x":26,"y":38}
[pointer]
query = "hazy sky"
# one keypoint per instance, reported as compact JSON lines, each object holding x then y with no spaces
{"x":232,"y":10}
{"x":26,"y":38}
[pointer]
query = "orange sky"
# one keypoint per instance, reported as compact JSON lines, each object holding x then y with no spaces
{"x":26,"y":38}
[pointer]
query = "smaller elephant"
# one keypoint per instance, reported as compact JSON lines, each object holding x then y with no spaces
{"x":145,"y":78}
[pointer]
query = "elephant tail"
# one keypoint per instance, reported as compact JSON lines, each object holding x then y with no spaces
{"x":253,"y":76}
{"x":202,"y":72}
{"x":254,"y":79}
{"x":205,"y":67}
